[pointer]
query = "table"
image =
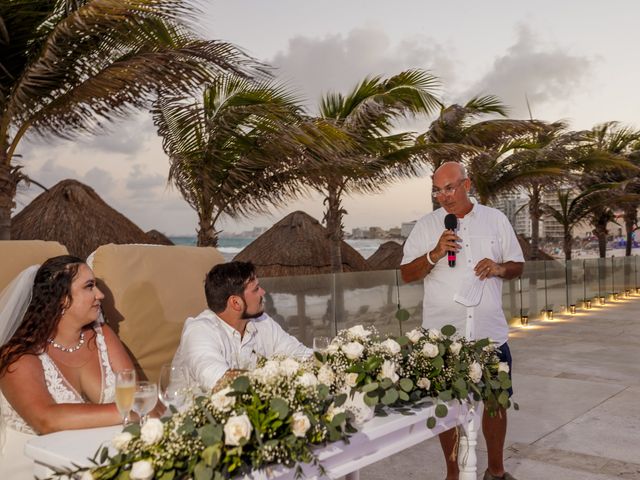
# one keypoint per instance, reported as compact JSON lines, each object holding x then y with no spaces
{"x":378,"y":438}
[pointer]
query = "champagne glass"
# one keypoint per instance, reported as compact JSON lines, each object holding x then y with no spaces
{"x":173,"y":385}
{"x":321,"y":344}
{"x":144,"y":399}
{"x":125,"y":389}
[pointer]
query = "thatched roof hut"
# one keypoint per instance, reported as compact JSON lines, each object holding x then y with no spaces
{"x":387,"y":257}
{"x":526,"y":250}
{"x":159,"y":238}
{"x":73,"y":214}
{"x":297,"y":245}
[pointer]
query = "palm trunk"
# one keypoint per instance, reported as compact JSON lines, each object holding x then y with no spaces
{"x":630,"y":219}
{"x":535,"y":213}
{"x":9,"y":179}
{"x":568,"y":240}
{"x":600,"y":231}
{"x":333,"y":219}
{"x":207,"y":235}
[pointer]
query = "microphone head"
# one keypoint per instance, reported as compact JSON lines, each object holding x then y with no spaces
{"x":450,"y":221}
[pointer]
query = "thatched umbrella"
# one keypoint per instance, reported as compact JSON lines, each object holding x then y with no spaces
{"x":159,"y":238}
{"x":74,"y":215}
{"x":387,"y":257}
{"x":297,"y":245}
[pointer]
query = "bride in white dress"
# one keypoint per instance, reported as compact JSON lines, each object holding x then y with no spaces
{"x":57,"y":362}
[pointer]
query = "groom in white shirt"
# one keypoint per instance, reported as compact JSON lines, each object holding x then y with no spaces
{"x":234,"y":331}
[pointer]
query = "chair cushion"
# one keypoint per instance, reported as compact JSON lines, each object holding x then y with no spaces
{"x":150,"y":290}
{"x":16,"y":255}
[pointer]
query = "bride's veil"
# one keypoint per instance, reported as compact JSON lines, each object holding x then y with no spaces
{"x":14,"y":300}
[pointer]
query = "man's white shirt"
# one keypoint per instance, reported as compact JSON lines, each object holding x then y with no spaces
{"x":209,"y":346}
{"x":485,"y":233}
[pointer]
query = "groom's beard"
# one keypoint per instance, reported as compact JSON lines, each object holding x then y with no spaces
{"x":252,"y":316}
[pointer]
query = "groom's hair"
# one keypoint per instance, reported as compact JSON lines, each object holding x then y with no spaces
{"x":225,"y":280}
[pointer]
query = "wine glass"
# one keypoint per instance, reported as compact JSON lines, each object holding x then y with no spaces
{"x":321,"y":344}
{"x":144,"y":399}
{"x":173,"y":385}
{"x":125,"y":389}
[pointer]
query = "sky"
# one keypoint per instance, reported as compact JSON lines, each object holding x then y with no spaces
{"x":575,"y":60}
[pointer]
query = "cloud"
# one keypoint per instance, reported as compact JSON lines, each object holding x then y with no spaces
{"x":143,"y":185}
{"x":339,"y":62}
{"x":543,"y":73}
{"x":127,"y":137}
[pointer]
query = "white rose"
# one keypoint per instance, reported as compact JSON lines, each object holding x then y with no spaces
{"x":120,"y":441}
{"x":359,"y":332}
{"x":351,"y":379}
{"x":300,"y":424}
{"x":434,"y":334}
{"x":490,"y":348}
{"x":415,"y":335}
{"x":455,"y":348}
{"x":475,"y":372}
{"x":424,"y":383}
{"x":503,"y":367}
{"x":333,"y":348}
{"x":325,"y":375}
{"x":430,"y":350}
{"x":237,"y":428}
{"x":151,"y":432}
{"x":307,"y":379}
{"x":86,"y":475}
{"x":141,"y":470}
{"x":222,"y":401}
{"x":353,"y":350}
{"x":269,"y":371}
{"x":361,"y":411}
{"x":289,"y":366}
{"x":391,"y":346}
{"x":389,"y":371}
{"x":332,"y":411}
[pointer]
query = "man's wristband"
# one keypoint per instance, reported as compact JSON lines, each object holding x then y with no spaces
{"x":429,"y":259}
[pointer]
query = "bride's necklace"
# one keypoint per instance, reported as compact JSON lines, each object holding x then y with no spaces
{"x":68,"y":349}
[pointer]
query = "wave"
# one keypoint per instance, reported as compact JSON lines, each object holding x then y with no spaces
{"x":230,"y":249}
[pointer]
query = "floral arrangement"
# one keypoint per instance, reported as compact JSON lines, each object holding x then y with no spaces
{"x":278,"y":413}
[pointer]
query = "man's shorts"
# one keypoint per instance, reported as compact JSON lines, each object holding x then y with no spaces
{"x":504,"y":354}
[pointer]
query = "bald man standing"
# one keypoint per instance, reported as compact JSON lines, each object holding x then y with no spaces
{"x":469,"y":294}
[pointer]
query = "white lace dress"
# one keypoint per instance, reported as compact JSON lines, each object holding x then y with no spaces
{"x":13,"y":463}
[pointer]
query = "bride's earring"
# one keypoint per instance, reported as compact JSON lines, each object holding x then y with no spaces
{"x":63,"y":311}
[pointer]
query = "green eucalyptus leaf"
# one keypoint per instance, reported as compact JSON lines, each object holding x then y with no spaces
{"x":371,"y":399}
{"x":516,"y":406}
{"x":202,"y":472}
{"x":241,"y":384}
{"x":369,"y":387}
{"x":445,"y":395}
{"x":390,"y":396}
{"x":104,"y":454}
{"x":402,"y":315}
{"x":502,"y":376}
{"x":210,"y":434}
{"x":402,"y":341}
{"x":406,"y":384}
{"x":448,"y":330}
{"x":319,"y":356}
{"x":133,"y":429}
{"x":170,"y":475}
{"x":211,"y":456}
{"x":404,"y":396}
{"x":441,"y":410}
{"x":460,"y":385}
{"x":280,"y":406}
{"x":431,"y":422}
{"x":503,"y":399}
{"x":386,"y":383}
{"x":437,"y":362}
{"x":340,"y":399}
{"x":338,"y":419}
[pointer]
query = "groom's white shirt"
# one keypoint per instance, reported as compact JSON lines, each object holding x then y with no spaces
{"x":209,"y":346}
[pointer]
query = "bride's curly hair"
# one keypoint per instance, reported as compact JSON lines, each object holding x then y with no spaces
{"x":51,"y":293}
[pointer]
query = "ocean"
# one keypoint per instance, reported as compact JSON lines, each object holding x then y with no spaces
{"x":230,"y":247}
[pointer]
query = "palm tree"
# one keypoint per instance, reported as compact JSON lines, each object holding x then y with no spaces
{"x":67,"y":67}
{"x":620,"y":145}
{"x":574,"y":209}
{"x":368,"y":114}
{"x":231,"y":151}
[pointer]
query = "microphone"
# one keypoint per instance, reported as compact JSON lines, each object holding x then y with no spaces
{"x":451,"y":223}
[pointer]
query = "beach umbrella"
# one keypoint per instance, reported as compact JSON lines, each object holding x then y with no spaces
{"x":159,"y":238}
{"x":298,"y":246}
{"x":387,"y":257}
{"x":73,"y":214}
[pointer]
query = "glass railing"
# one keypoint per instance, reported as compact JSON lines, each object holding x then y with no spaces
{"x":313,"y":305}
